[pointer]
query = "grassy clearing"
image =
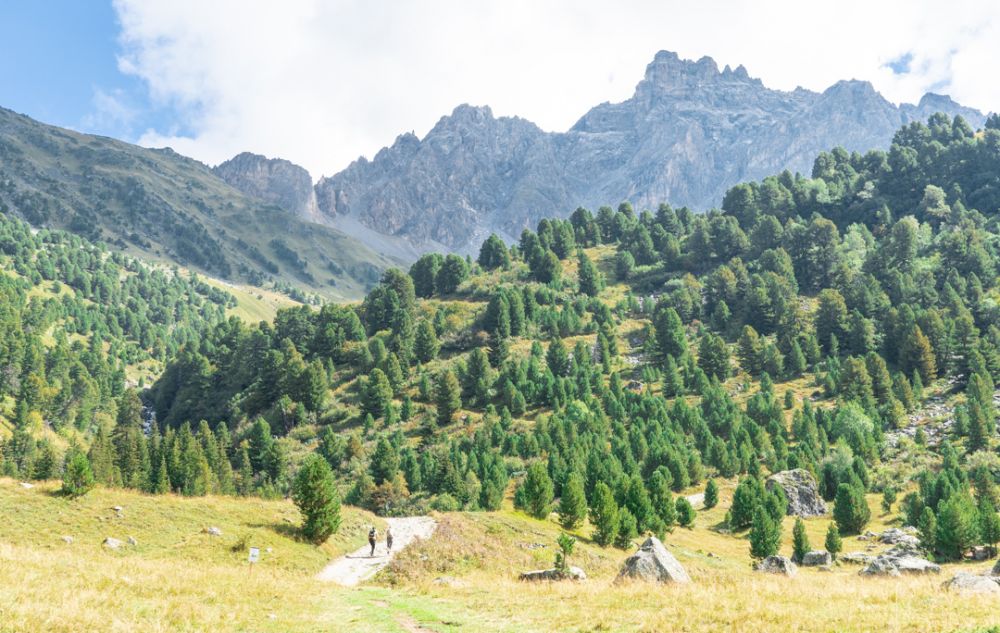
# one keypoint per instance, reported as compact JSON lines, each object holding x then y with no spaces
{"x":480,"y":556}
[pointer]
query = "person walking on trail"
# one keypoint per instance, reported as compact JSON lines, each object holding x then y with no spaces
{"x":388,"y":539}
{"x":372,"y":534}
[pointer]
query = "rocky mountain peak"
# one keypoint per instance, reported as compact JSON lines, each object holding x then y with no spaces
{"x":271,"y":180}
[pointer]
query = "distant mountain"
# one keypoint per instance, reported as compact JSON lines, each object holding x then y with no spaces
{"x":271,"y":180}
{"x":167,"y":207}
{"x":688,"y":133}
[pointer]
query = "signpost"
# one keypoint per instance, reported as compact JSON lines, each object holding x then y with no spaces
{"x":253,"y":557}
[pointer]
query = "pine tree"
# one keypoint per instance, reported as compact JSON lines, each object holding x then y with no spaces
{"x":685,"y":512}
{"x":711,"y":494}
{"x":957,"y":527}
{"x":833,"y":543}
{"x":426,"y":346}
{"x":591,"y":281}
{"x":78,"y":478}
{"x":765,"y":534}
{"x":538,"y":491}
{"x":315,"y":494}
{"x":917,"y":355}
{"x":376,"y":394}
{"x":989,"y":525}
{"x":384,"y":462}
{"x":800,"y":541}
{"x":604,"y":515}
{"x":850,"y":509}
{"x":888,"y":498}
{"x":927,"y":527}
{"x":161,"y":483}
{"x":572,"y":503}
{"x":447,"y":396}
{"x":627,"y":529}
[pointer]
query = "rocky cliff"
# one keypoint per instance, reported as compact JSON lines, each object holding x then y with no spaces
{"x":688,"y":133}
{"x":272,"y":180}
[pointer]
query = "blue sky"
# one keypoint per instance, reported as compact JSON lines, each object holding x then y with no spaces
{"x":321,"y":82}
{"x":58,"y":64}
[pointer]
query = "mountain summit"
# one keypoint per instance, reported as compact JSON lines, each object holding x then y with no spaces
{"x":689,"y":132}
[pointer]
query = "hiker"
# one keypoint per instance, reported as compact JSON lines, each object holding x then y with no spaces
{"x":371,"y":540}
{"x":388,"y":539}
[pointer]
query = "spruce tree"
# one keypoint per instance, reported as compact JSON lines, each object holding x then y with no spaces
{"x":591,"y":281}
{"x":384,"y":462}
{"x":833,"y":543}
{"x":447,"y":397}
{"x":685,"y":512}
{"x":957,"y":527}
{"x":78,"y":478}
{"x":765,"y":534}
{"x":800,"y":541}
{"x":604,"y":515}
{"x":711,"y":494}
{"x":572,"y":503}
{"x":315,"y":494}
{"x":537,"y":490}
{"x":426,"y":344}
{"x":850,"y":509}
{"x":627,"y":529}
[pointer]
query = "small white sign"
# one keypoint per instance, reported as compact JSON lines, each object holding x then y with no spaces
{"x":254,"y":554}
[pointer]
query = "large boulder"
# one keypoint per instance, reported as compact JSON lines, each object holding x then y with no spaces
{"x":889,"y":565}
{"x":817,"y":558}
{"x":801,"y":491}
{"x":965,"y":582}
{"x":856,"y":558}
{"x":898,"y":537}
{"x":573,"y":573}
{"x":112,"y":543}
{"x":996,"y":569}
{"x":653,"y":563}
{"x":777,"y":565}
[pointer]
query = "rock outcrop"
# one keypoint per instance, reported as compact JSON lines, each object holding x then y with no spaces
{"x":689,"y":132}
{"x":801,"y":490}
{"x":777,"y":565}
{"x":653,"y":563}
{"x":817,"y":558}
{"x":272,"y":180}
{"x":964,"y":582}
{"x":573,"y":573}
{"x":889,"y":564}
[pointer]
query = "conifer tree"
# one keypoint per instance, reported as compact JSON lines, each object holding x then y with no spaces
{"x":627,"y":529}
{"x":685,"y":512}
{"x":833,"y":543}
{"x":572,"y":503}
{"x":384,"y":462}
{"x":78,"y":478}
{"x":850,"y":509}
{"x":591,"y":280}
{"x":426,"y":344}
{"x":447,"y":397}
{"x":315,"y":494}
{"x":711,"y":494}
{"x":800,"y":541}
{"x":765,"y":534}
{"x":604,"y":515}
{"x":537,"y":491}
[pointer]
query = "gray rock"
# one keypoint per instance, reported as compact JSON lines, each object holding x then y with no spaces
{"x":112,"y":543}
{"x":856,"y":558}
{"x":817,"y":558}
{"x":888,"y":565}
{"x":801,"y":491}
{"x":895,"y":536}
{"x":574,"y":573}
{"x":965,"y":582}
{"x":26,"y":485}
{"x":213,"y":531}
{"x":777,"y":565}
{"x":653,"y":563}
{"x":132,"y":541}
{"x":980,"y":553}
{"x":67,"y":540}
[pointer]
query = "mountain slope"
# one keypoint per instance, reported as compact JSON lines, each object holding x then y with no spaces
{"x":165,"y":206}
{"x":688,"y":133}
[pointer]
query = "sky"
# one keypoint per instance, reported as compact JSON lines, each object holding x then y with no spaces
{"x":324,"y":82}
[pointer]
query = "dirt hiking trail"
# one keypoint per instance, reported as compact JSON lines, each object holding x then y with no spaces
{"x":353,"y":568}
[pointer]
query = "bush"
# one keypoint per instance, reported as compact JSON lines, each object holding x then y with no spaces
{"x":78,"y":478}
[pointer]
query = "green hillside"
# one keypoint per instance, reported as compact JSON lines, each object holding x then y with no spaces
{"x":165,"y":207}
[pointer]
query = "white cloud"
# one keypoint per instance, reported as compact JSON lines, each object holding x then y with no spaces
{"x":321,"y":83}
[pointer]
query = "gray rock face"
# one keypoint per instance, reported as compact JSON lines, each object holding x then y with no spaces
{"x":777,"y":565}
{"x":272,"y":180}
{"x":817,"y":558}
{"x":996,"y":569}
{"x":889,"y":565}
{"x":856,"y":558}
{"x":896,"y":536}
{"x":653,"y":563}
{"x":964,"y":582}
{"x":801,"y":491}
{"x":574,"y":573}
{"x":688,"y":133}
{"x":112,"y":543}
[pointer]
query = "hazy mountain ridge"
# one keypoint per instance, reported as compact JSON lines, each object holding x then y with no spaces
{"x":165,"y":206}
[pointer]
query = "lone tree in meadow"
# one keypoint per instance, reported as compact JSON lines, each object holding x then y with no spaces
{"x":315,"y":494}
{"x":78,"y":478}
{"x":711,"y":494}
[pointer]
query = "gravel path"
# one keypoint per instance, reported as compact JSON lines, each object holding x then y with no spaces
{"x":353,"y":568}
